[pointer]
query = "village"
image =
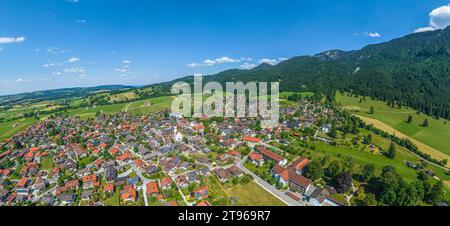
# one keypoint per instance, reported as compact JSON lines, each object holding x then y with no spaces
{"x":157,"y":160}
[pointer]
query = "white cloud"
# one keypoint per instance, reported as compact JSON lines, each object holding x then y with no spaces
{"x":369,"y":34}
{"x":73,"y":60}
{"x":223,"y":60}
{"x":439,"y":19}
{"x":248,"y":66}
{"x":20,"y":80}
{"x":209,"y":62}
{"x":9,"y":40}
{"x":126,"y":62}
{"x":48,"y":65}
{"x":246,"y":59}
{"x":81,"y":21}
{"x":268,"y":61}
{"x":56,"y":73}
{"x":374,"y":34}
{"x":55,"y":50}
{"x":73,"y":1}
{"x":74,"y":70}
{"x":194,"y":65}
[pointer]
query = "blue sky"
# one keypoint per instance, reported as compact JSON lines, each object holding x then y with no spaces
{"x":65,"y":43}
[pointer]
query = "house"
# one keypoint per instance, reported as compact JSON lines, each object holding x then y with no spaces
{"x":171,"y":203}
{"x":166,"y":182}
{"x":128,"y":193}
{"x":150,"y":156}
{"x":125,"y":157}
{"x":48,"y":200}
{"x":272,"y":156}
{"x":193,"y":177}
{"x":201,"y":192}
{"x":235,"y":171}
{"x":109,"y":188}
{"x":151,"y":169}
{"x":222,"y":174}
{"x":256,"y":159}
{"x":251,"y":140}
{"x":86,"y":195}
{"x":3,"y":195}
{"x":23,"y":183}
{"x":204,"y":171}
{"x":327,"y":128}
{"x":298,"y":183}
{"x":67,"y":199}
{"x":114,"y":151}
{"x":89,"y":180}
{"x":299,"y":165}
{"x":280,"y":174}
{"x":182,"y":181}
{"x":152,"y":188}
{"x":134,"y":180}
{"x":110,"y":173}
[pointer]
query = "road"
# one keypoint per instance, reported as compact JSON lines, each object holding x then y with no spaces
{"x":268,"y":187}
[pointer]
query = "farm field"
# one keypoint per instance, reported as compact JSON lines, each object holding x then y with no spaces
{"x":435,"y":136}
{"x":361,"y":155}
{"x":8,"y":129}
{"x":252,"y":194}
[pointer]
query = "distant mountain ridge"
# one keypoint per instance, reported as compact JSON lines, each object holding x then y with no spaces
{"x":411,"y":71}
{"x":59,"y":93}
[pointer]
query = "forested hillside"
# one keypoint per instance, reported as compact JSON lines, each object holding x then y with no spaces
{"x":411,"y":71}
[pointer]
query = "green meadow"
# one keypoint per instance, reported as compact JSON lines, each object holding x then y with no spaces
{"x":436,"y":135}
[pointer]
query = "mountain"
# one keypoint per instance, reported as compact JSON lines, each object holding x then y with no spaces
{"x":412,"y":71}
{"x":58,"y":94}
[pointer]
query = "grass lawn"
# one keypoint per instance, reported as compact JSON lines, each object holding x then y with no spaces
{"x":47,"y":163}
{"x":113,"y":200}
{"x":143,"y":107}
{"x":252,"y":194}
{"x":436,"y":135}
{"x":362,"y":156}
{"x":217,"y":193}
{"x":9,"y":129}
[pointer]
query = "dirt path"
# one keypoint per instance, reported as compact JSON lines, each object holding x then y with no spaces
{"x":422,"y":147}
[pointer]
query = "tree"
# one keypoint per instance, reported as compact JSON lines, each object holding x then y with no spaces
{"x":436,"y":194}
{"x":368,"y":172}
{"x":391,"y":152}
{"x":372,"y":110}
{"x":333,"y":133}
{"x":425,"y":123}
{"x":335,"y":168}
{"x":370,"y":200}
{"x":410,"y":119}
{"x":314,"y":170}
{"x":344,"y":182}
{"x":367,"y":139}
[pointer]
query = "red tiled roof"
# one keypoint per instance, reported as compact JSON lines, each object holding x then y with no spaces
{"x":255,"y":156}
{"x":251,"y":139}
{"x":109,"y":187}
{"x":204,"y":203}
{"x":90,"y":178}
{"x":271,"y":155}
{"x":300,"y":163}
{"x":124,"y":156}
{"x":166,"y":181}
{"x":113,"y":151}
{"x":152,"y":188}
{"x":22,"y":182}
{"x":198,"y":127}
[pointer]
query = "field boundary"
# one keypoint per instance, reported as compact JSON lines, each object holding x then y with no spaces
{"x":422,"y":147}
